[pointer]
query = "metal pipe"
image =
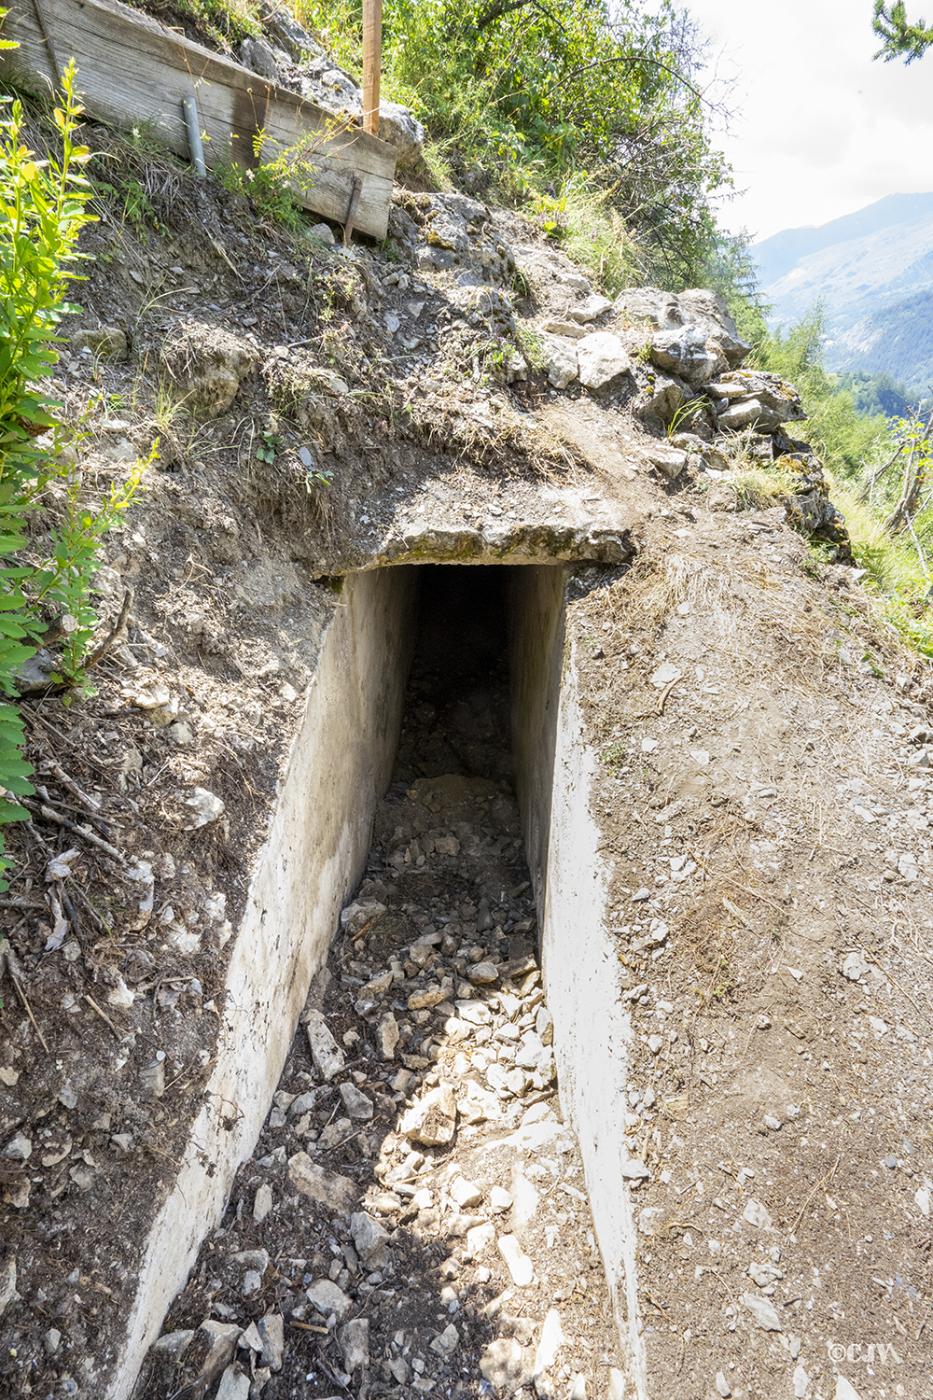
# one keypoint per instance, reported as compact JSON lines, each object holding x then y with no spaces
{"x":189,"y":105}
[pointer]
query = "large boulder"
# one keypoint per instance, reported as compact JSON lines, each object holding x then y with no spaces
{"x":689,"y":354}
{"x":706,"y":310}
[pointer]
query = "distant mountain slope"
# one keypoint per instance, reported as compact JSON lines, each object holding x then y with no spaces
{"x":872,"y":271}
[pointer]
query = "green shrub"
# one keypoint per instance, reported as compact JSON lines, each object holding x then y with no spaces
{"x":43,"y":208}
{"x":522,"y":96}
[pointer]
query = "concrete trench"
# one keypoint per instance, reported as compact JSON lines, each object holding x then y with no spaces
{"x":497,"y":635}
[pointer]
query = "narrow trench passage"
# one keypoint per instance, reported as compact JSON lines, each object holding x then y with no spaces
{"x":414,"y":1218}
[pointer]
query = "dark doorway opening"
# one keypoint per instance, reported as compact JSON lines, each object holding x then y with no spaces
{"x":456,"y":718}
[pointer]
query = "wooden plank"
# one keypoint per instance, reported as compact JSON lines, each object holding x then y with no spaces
{"x":132,"y":71}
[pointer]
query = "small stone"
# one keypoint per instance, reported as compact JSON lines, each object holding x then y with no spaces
{"x":204,"y":807}
{"x":665,"y":675}
{"x":272,"y":1332}
{"x":479,"y":1238}
{"x":560,"y":361}
{"x":756,"y":1214}
{"x":19,"y":1148}
{"x":845,"y":1390}
{"x":7,"y":1281}
{"x":234,"y":1385}
{"x":590,"y":310}
{"x":329,"y":1299}
{"x":388,"y":1036}
{"x":221,"y":1344}
{"x":354,"y":1343}
{"x":327,"y":1055}
{"x":763,"y":1311}
{"x":432,"y":1119}
{"x":550,"y":1342}
{"x":854,"y":966}
{"x":483,"y":974}
{"x":502,"y":1364}
{"x":478,"y":1105}
{"x":447,"y":1342}
{"x":500,"y":1199}
{"x":356,"y":1103}
{"x":519,"y":1265}
{"x":173,"y":1344}
{"x":52,"y":1340}
{"x":602,"y":359}
{"x":327,"y":1188}
{"x":262,"y":1202}
{"x":108,"y":342}
{"x":801,"y":1382}
{"x":635,"y":1170}
{"x":369,"y":1239}
{"x":465,"y":1193}
{"x":723,"y":1387}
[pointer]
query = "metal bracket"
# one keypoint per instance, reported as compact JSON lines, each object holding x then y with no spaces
{"x":351,"y":209}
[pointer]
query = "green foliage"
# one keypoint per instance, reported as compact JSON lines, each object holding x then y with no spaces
{"x":222,"y":22}
{"x":879,"y":471}
{"x":582,"y":218}
{"x":847,"y":439}
{"x":523,"y":96}
{"x":65,"y":584}
{"x":900,"y":37}
{"x":876,"y":393}
{"x":270,"y":185}
{"x":43,"y":208}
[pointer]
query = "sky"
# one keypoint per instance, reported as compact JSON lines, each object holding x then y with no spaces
{"x":818,"y":129}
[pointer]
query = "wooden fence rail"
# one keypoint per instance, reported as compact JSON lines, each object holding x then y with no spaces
{"x":133,"y":71}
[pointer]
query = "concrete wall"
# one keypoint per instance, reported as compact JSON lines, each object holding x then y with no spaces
{"x":592,"y":1032}
{"x":339,"y":765}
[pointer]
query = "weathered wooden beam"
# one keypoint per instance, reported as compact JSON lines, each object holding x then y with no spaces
{"x":132,"y":71}
{"x":372,"y":63}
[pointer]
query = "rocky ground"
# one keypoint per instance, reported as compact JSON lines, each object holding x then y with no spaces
{"x":414,"y":1220}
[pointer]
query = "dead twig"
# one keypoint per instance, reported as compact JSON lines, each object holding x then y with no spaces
{"x":662,"y":698}
{"x":51,"y":766}
{"x":819,"y":1185}
{"x":113,"y":636}
{"x":103,"y":1016}
{"x":8,"y":964}
{"x":49,"y":814}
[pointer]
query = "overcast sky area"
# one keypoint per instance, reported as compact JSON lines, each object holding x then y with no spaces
{"x":819,"y":129}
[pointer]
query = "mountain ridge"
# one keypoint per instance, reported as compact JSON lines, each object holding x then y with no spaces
{"x":871,"y":274}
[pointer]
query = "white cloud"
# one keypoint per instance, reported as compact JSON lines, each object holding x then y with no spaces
{"x":819,"y":128}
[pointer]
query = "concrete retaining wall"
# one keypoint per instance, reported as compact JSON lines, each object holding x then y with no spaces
{"x":592,"y":1032}
{"x":339,"y":765}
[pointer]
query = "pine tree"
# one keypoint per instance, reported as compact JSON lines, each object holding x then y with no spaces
{"x":900,"y":38}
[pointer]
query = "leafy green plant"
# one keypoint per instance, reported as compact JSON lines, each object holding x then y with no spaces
{"x":272,"y":185}
{"x":268,"y":446}
{"x":683,"y":415}
{"x":66,"y":583}
{"x":45,"y":571}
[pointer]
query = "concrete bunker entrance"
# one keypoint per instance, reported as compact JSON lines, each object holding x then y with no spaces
{"x":431,"y":1170}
